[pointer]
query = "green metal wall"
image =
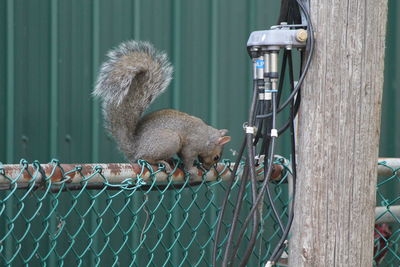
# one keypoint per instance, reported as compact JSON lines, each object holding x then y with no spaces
{"x":50,"y":52}
{"x":390,"y":130}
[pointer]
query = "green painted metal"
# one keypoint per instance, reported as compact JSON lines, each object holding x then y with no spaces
{"x":3,"y":79}
{"x":10,"y":92}
{"x":390,"y":127}
{"x":50,"y":52}
{"x":53,"y":50}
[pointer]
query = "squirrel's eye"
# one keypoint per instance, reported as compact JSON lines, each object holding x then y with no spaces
{"x":216,"y":158}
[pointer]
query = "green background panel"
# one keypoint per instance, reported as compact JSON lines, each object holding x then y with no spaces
{"x":390,"y":129}
{"x":3,"y":79}
{"x":51,"y":51}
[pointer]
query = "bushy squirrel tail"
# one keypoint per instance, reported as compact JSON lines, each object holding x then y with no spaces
{"x":132,"y":77}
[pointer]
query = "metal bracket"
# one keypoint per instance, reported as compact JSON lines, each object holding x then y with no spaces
{"x":279,"y":36}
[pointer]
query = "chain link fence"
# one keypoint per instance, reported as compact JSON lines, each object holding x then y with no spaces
{"x":59,"y":215}
{"x":71,"y":215}
{"x":387,"y":213}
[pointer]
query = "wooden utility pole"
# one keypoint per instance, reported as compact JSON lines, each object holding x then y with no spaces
{"x":338,"y":136}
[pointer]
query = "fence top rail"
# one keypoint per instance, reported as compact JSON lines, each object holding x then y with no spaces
{"x":98,"y":175}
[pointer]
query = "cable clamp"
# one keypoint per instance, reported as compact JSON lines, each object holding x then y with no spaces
{"x":259,"y":158}
{"x":274,"y":133}
{"x":249,"y":129}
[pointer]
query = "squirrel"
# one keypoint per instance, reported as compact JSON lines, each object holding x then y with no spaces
{"x":134,"y":74}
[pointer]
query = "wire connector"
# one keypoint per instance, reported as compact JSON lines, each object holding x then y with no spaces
{"x":250,"y":130}
{"x":259,"y":158}
{"x":274,"y":133}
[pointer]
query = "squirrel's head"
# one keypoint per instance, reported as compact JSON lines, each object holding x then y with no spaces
{"x":215,"y":147}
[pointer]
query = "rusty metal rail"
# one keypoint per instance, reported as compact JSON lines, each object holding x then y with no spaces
{"x":96,"y":176}
{"x":101,"y":175}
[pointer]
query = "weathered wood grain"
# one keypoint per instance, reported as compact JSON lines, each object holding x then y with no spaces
{"x":338,"y":136}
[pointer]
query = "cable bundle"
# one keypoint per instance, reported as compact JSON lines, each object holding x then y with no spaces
{"x":261,"y":135}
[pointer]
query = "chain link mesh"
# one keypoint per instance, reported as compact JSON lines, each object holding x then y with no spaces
{"x":386,"y":243}
{"x":130,"y":224}
{"x":136,"y":223}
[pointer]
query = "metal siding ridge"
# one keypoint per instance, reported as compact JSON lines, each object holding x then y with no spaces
{"x":10,"y":111}
{"x":176,"y":98}
{"x":10,"y":94}
{"x":95,"y":63}
{"x":214,"y":63}
{"x":53,"y":78}
{"x":95,"y":117}
{"x":176,"y":52}
{"x":52,"y":260}
{"x":136,"y":19}
{"x":213,"y":95}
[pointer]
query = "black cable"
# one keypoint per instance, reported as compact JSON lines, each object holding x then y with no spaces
{"x":259,"y":123}
{"x":267,"y":122}
{"x":239,"y":202}
{"x":298,"y":100}
{"x":253,"y":238}
{"x":250,"y":168}
{"x":280,"y":87}
{"x":267,"y":129}
{"x":286,"y":125}
{"x":256,"y":215}
{"x":282,"y":74}
{"x":282,"y":243}
{"x":260,"y":195}
{"x":287,"y":55}
{"x":288,"y":101}
{"x":273,"y":125}
{"x":289,"y":13}
{"x":279,"y":249}
{"x":225,"y":201}
{"x":276,"y":254}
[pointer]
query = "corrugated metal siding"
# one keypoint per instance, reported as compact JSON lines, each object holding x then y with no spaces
{"x":3,"y":79}
{"x":51,"y":51}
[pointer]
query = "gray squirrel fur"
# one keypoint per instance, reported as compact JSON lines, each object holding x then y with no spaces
{"x":132,"y":77}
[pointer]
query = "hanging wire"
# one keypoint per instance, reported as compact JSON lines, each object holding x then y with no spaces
{"x":263,"y":116}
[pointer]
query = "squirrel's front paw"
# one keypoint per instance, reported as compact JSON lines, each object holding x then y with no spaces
{"x":194,"y":172}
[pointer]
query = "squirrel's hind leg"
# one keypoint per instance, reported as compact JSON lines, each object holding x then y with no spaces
{"x":158,"y":146}
{"x":168,"y":168}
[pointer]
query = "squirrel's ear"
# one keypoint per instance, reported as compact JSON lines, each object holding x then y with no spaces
{"x":223,"y":140}
{"x":223,"y":132}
